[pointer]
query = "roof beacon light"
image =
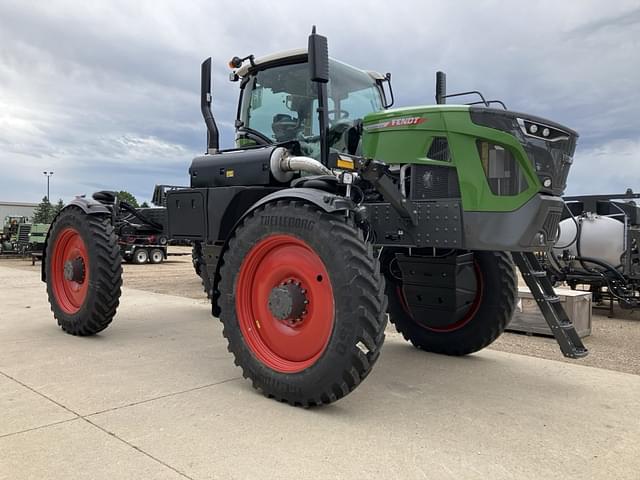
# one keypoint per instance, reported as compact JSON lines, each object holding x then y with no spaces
{"x":235,"y":62}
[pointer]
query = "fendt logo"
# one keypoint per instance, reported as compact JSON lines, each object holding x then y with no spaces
{"x":396,"y":122}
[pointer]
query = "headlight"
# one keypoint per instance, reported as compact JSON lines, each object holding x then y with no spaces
{"x":539,"y":130}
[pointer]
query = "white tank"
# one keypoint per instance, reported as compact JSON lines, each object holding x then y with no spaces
{"x":601,"y":238}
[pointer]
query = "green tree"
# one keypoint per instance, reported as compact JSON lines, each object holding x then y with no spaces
{"x":125,"y":196}
{"x":144,"y":205}
{"x":43,"y":212}
{"x":58,"y":207}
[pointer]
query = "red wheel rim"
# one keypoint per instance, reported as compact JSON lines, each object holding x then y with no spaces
{"x":279,"y":344}
{"x":69,"y":251}
{"x":473,"y":308}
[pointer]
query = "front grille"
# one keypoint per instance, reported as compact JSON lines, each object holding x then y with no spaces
{"x":551,"y":158}
{"x":23,"y":234}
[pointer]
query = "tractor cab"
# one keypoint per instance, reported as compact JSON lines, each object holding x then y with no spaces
{"x":279,"y":102}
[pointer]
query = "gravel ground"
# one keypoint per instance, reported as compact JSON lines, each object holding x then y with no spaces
{"x":614,"y":343}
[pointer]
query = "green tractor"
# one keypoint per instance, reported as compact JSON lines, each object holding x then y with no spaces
{"x":335,"y":212}
{"x":37,"y":237}
{"x":15,"y":234}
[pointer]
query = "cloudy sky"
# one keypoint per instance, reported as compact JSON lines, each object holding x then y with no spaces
{"x":106,"y":93}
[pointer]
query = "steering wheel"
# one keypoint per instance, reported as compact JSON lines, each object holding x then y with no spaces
{"x":334,"y":133}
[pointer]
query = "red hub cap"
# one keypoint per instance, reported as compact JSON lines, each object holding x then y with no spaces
{"x":284,"y":303}
{"x":70,"y":270}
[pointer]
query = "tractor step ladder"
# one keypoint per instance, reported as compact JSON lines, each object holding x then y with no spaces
{"x":542,"y":290}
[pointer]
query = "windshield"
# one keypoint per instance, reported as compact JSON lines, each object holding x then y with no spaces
{"x":280,"y":103}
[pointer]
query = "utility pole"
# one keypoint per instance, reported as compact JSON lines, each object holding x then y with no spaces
{"x":48,"y":174}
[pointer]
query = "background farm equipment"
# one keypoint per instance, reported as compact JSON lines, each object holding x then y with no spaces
{"x":37,"y":237}
{"x":334,"y":211}
{"x":14,"y":238}
{"x":598,"y":246}
{"x":141,"y":235}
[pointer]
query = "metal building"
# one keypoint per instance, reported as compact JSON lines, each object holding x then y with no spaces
{"x":16,"y":208}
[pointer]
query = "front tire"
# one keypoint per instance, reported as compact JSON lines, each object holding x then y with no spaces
{"x":83,"y":271}
{"x":302,"y":303}
{"x":485,"y":321}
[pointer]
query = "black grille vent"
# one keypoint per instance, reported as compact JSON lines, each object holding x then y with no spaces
{"x":434,"y":181}
{"x":439,"y":150}
{"x":550,"y":226}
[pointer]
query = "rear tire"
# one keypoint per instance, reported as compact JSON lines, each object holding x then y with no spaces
{"x":329,"y":272}
{"x":83,"y":271}
{"x":499,"y":289}
{"x":199,"y":265}
{"x":140,"y":256}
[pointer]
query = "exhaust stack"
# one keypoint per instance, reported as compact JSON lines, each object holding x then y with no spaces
{"x":205,"y":107}
{"x":441,"y":88}
{"x":318,"y":54}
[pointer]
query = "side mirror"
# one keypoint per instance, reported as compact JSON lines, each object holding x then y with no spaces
{"x":389,"y":100}
{"x":318,"y":57}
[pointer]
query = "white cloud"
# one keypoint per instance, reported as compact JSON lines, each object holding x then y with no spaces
{"x":105,"y":93}
{"x":611,"y":167}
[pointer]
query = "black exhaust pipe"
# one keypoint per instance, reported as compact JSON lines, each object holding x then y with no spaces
{"x":318,"y":52}
{"x":441,"y":88}
{"x":205,"y":107}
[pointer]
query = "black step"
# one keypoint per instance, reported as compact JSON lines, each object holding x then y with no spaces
{"x":549,"y":303}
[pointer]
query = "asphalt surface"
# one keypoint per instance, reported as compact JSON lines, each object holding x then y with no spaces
{"x":156,"y":395}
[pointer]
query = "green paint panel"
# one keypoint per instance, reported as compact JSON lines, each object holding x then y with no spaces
{"x":404,"y":135}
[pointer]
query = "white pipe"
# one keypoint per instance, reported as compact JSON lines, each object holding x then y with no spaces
{"x":305,"y":164}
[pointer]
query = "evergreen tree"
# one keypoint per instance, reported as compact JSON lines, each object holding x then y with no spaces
{"x":58,"y":208}
{"x":144,"y":205}
{"x":125,"y":196}
{"x":43,"y":212}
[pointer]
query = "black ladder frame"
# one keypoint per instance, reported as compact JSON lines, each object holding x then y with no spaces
{"x":542,"y":290}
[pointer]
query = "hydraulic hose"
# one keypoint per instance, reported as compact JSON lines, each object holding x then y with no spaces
{"x":578,"y":230}
{"x":605,"y":265}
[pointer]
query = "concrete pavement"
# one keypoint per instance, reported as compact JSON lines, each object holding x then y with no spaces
{"x":156,"y":395}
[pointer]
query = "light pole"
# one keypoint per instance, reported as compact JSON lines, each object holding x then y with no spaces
{"x":47,"y":174}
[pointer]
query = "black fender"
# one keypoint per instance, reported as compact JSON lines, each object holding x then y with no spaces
{"x":89,"y":206}
{"x":329,"y":202}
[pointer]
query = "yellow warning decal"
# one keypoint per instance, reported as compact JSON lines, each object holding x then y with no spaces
{"x":345,"y":162}
{"x":229,"y":173}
